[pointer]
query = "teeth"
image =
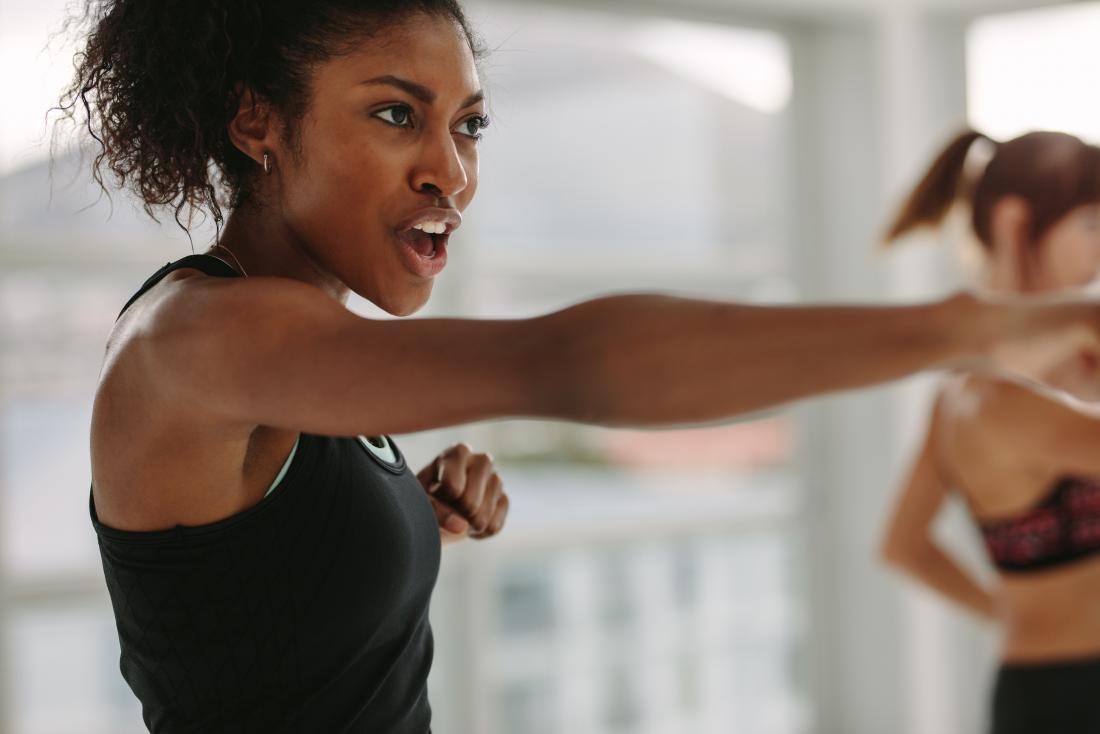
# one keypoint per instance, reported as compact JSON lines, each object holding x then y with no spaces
{"x":432,"y":227}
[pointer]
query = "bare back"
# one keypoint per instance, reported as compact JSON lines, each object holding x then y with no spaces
{"x":1050,"y":614}
{"x":996,"y":483}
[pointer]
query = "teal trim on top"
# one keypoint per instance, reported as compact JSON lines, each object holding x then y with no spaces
{"x":385,"y":453}
{"x":286,"y":466}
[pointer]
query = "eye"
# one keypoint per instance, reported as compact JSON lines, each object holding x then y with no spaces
{"x":471,"y":127}
{"x":399,"y":115}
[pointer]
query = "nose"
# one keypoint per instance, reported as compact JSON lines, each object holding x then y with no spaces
{"x":440,"y":170}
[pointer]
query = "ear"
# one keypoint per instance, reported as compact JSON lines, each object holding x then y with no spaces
{"x":253,"y":130}
{"x":1013,"y":259}
{"x":1010,"y":219}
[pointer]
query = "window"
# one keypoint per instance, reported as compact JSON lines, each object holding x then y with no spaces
{"x":626,"y":153}
{"x":1035,"y":70}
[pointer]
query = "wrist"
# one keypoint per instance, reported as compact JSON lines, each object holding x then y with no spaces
{"x":448,"y":538}
{"x":1017,"y":323}
{"x":980,"y":327}
{"x":973,"y":326}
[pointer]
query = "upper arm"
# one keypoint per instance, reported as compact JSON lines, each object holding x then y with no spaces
{"x":280,"y":353}
{"x":1041,"y":428}
{"x":921,"y":496}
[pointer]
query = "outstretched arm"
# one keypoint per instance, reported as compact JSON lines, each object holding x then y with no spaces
{"x":280,"y":353}
{"x":646,"y":360}
{"x":910,"y":546}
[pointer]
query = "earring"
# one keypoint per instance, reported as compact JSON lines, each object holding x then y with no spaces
{"x":267,"y":164}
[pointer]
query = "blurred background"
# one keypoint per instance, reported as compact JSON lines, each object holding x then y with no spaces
{"x":649,"y":582}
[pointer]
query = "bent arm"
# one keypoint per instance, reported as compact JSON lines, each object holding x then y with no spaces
{"x":910,"y":547}
{"x":280,"y":353}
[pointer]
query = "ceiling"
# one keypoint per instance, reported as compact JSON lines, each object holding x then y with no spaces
{"x":805,"y":10}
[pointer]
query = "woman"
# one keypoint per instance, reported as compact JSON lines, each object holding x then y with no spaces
{"x":269,"y":573}
{"x":1026,"y":459}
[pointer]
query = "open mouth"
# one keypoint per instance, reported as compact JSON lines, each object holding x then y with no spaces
{"x":423,"y":253}
{"x":426,"y":238}
{"x":423,"y":240}
{"x":424,"y":244}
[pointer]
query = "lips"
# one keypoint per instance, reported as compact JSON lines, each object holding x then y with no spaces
{"x":448,"y":217}
{"x":419,"y":265}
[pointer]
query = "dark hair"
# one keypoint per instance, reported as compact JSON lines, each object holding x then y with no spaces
{"x":159,"y":81}
{"x":1054,"y":172}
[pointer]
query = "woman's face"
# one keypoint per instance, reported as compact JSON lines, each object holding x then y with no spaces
{"x":1069,"y":253}
{"x":1068,"y":257}
{"x":388,"y":144}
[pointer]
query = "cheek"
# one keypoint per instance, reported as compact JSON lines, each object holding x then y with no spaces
{"x":1088,"y":255}
{"x":1075,"y":258}
{"x":345,"y":171}
{"x":338,"y":191}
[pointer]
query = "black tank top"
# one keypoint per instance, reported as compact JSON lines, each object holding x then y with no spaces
{"x":307,"y":612}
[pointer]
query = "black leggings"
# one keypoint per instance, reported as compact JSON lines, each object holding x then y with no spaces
{"x":1058,"y":698}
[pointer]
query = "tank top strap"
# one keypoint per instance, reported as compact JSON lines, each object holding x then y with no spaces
{"x":208,"y":264}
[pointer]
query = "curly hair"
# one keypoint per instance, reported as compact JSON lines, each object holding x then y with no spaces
{"x":158,"y":82}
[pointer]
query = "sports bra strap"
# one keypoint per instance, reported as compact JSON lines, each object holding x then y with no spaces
{"x":209,"y":264}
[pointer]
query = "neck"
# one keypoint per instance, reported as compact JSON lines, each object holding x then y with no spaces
{"x":1073,"y":373}
{"x":1076,"y":377}
{"x":265,"y":246}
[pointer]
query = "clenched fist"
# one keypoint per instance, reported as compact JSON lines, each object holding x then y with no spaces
{"x":467,"y":494}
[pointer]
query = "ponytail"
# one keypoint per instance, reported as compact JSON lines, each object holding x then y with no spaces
{"x":937,"y":191}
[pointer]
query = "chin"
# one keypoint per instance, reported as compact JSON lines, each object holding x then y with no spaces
{"x":409,"y":304}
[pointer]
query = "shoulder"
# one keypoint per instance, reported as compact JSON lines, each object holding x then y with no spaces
{"x":195,"y":329}
{"x":1004,"y":409}
{"x":978,"y":397}
{"x":193,"y":301}
{"x":192,"y":316}
{"x":976,"y":421}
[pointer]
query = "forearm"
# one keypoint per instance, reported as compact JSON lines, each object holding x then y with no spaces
{"x":938,"y":571}
{"x":653,"y":360}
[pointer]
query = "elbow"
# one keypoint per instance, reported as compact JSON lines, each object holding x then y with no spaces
{"x":905,"y":554}
{"x":564,"y":372}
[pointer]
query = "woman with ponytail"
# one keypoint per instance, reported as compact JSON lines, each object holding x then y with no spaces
{"x":1025,"y":458}
{"x":269,"y":555}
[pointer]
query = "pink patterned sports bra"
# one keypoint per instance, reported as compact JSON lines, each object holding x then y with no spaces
{"x":1063,"y":528}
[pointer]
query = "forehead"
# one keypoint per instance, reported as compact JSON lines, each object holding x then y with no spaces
{"x":430,"y":50}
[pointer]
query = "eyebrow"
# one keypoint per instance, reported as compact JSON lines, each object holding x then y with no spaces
{"x":419,"y":91}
